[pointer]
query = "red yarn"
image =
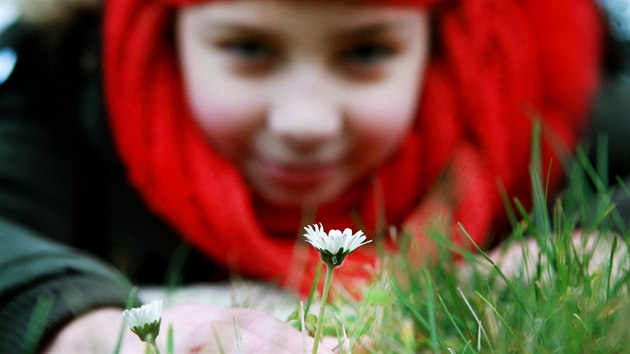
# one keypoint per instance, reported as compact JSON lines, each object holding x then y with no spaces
{"x":496,"y":60}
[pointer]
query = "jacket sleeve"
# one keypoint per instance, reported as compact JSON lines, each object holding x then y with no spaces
{"x":43,"y":282}
{"x":43,"y":285}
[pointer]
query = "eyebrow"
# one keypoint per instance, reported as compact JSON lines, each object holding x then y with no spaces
{"x":361,"y":30}
{"x":368,"y":30}
{"x":238,"y":27}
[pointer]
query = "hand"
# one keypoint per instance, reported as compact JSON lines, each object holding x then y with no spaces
{"x":521,"y":257}
{"x":196,"y":329}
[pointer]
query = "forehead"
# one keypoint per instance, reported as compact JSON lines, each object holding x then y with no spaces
{"x":305,"y":15}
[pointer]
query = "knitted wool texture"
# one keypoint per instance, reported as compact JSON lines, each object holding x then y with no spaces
{"x":494,"y":63}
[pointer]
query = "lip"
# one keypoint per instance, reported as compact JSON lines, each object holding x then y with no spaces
{"x":296,"y":176}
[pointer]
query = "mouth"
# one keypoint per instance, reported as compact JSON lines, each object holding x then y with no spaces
{"x":296,"y":176}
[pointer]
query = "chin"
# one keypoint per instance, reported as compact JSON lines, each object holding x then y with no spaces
{"x":299,"y":199}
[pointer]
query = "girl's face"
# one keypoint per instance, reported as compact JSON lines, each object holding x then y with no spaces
{"x":304,"y":97}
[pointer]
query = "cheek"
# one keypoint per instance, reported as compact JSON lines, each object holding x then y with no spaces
{"x":227,"y":115}
{"x":382,"y":115}
{"x":223,"y":114}
{"x":382,"y":124}
{"x":225,"y":108}
{"x":379,"y":133}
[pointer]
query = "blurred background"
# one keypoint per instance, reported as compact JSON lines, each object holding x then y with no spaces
{"x":611,"y":110}
{"x":617,"y":12}
{"x":8,"y":12}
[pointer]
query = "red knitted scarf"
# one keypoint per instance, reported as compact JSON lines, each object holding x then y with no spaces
{"x":495,"y":60}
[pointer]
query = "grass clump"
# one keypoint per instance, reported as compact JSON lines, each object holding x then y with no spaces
{"x":558,"y":284}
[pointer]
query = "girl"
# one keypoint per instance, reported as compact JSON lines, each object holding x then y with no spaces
{"x":230,"y":125}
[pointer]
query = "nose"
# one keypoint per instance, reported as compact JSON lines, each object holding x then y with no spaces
{"x":305,"y":113}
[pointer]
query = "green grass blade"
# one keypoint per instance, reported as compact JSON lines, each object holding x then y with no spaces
{"x":431,"y":313}
{"x":414,"y":311}
{"x":37,"y":323}
{"x":496,"y":268}
{"x":452,"y":320}
{"x":311,"y":295}
{"x":496,"y":312}
{"x":170,"y":342}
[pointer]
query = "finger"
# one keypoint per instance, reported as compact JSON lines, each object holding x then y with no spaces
{"x":263,"y":328}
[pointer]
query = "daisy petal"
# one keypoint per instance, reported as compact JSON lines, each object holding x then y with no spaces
{"x":335,"y":245}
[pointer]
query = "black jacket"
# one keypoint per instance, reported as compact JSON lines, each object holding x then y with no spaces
{"x":62,"y":184}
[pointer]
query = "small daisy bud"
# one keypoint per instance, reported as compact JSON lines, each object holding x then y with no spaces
{"x":145,"y":320}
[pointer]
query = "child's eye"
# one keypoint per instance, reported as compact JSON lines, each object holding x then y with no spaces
{"x":368,"y":53}
{"x":250,"y":56}
{"x":249,"y":49}
{"x":366,"y":61}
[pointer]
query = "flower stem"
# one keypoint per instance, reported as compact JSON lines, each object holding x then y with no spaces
{"x":152,"y":347}
{"x":311,"y":295}
{"x":320,"y":318}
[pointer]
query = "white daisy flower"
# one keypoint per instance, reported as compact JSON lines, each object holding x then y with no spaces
{"x":145,"y":320}
{"x":335,"y":245}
